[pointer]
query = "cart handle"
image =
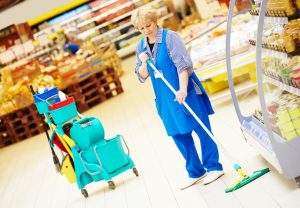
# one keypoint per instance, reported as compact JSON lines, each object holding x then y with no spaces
{"x":84,"y":165}
{"x":128,"y":151}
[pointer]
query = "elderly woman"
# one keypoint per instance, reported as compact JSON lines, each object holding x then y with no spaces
{"x":168,"y":53}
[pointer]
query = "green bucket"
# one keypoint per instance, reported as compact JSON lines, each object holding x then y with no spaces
{"x":111,"y":154}
{"x":86,"y":132}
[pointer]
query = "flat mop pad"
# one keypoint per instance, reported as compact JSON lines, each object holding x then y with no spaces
{"x":247,"y":179}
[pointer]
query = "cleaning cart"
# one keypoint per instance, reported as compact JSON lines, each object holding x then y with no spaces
{"x":87,"y":156}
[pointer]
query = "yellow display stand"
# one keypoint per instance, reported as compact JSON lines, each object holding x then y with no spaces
{"x":214,"y":77}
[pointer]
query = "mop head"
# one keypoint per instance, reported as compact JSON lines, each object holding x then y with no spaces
{"x":245,"y":181}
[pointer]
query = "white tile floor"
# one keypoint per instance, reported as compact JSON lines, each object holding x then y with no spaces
{"x":28,"y":177}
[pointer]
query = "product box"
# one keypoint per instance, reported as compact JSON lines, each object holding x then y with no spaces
{"x":290,"y":135}
{"x":286,"y":127}
{"x":294,"y":112}
{"x":296,"y":123}
{"x":283,"y":116}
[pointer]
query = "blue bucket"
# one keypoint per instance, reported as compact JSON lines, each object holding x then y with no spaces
{"x":51,"y":92}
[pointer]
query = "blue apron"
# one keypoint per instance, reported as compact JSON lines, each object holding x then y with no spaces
{"x":176,"y":118}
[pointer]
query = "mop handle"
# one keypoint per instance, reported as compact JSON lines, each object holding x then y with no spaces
{"x":189,"y":109}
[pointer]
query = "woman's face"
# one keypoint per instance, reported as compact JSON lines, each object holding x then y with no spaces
{"x":148,"y":28}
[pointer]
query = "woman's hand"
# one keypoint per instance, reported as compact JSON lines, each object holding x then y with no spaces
{"x":180,"y":96}
{"x":143,"y":70}
{"x":143,"y":57}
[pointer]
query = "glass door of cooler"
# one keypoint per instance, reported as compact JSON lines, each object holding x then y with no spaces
{"x":274,"y":128}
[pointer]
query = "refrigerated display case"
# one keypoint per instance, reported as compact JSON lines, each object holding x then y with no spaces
{"x":273,"y":130}
{"x":207,"y":51}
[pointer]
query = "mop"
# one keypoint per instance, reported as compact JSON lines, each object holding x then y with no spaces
{"x":245,"y":178}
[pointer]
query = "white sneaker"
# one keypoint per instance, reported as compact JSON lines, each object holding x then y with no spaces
{"x":212,"y":176}
{"x":192,"y":181}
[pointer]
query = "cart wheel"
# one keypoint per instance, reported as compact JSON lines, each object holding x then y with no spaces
{"x":135,"y":171}
{"x":84,"y":193}
{"x":111,"y":185}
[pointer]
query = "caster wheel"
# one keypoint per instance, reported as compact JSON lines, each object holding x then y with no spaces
{"x":111,"y":185}
{"x":135,"y":171}
{"x":84,"y":193}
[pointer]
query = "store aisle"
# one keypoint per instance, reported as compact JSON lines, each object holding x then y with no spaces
{"x":28,"y":178}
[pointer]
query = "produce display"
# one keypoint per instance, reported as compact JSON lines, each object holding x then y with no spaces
{"x":55,"y":69}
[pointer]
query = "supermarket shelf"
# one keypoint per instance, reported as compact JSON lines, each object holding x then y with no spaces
{"x":275,"y":20}
{"x":283,"y":86}
{"x":35,"y":55}
{"x":106,"y":13}
{"x":103,"y":5}
{"x":89,"y":31}
{"x":124,"y":36}
{"x":213,"y":27}
{"x":205,"y":31}
{"x":111,"y":31}
{"x":277,"y":54}
{"x":272,"y":15}
{"x":126,"y":51}
{"x":220,"y":67}
{"x":75,"y":17}
{"x":239,"y":89}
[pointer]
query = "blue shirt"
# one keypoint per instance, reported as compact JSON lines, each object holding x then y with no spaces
{"x":72,"y":47}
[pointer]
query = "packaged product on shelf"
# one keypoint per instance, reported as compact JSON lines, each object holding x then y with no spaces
{"x":284,"y":115}
{"x":194,"y":30}
{"x":297,"y":3}
{"x":286,"y":6}
{"x":210,"y":48}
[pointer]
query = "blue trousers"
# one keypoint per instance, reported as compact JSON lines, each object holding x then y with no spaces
{"x":210,"y":154}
